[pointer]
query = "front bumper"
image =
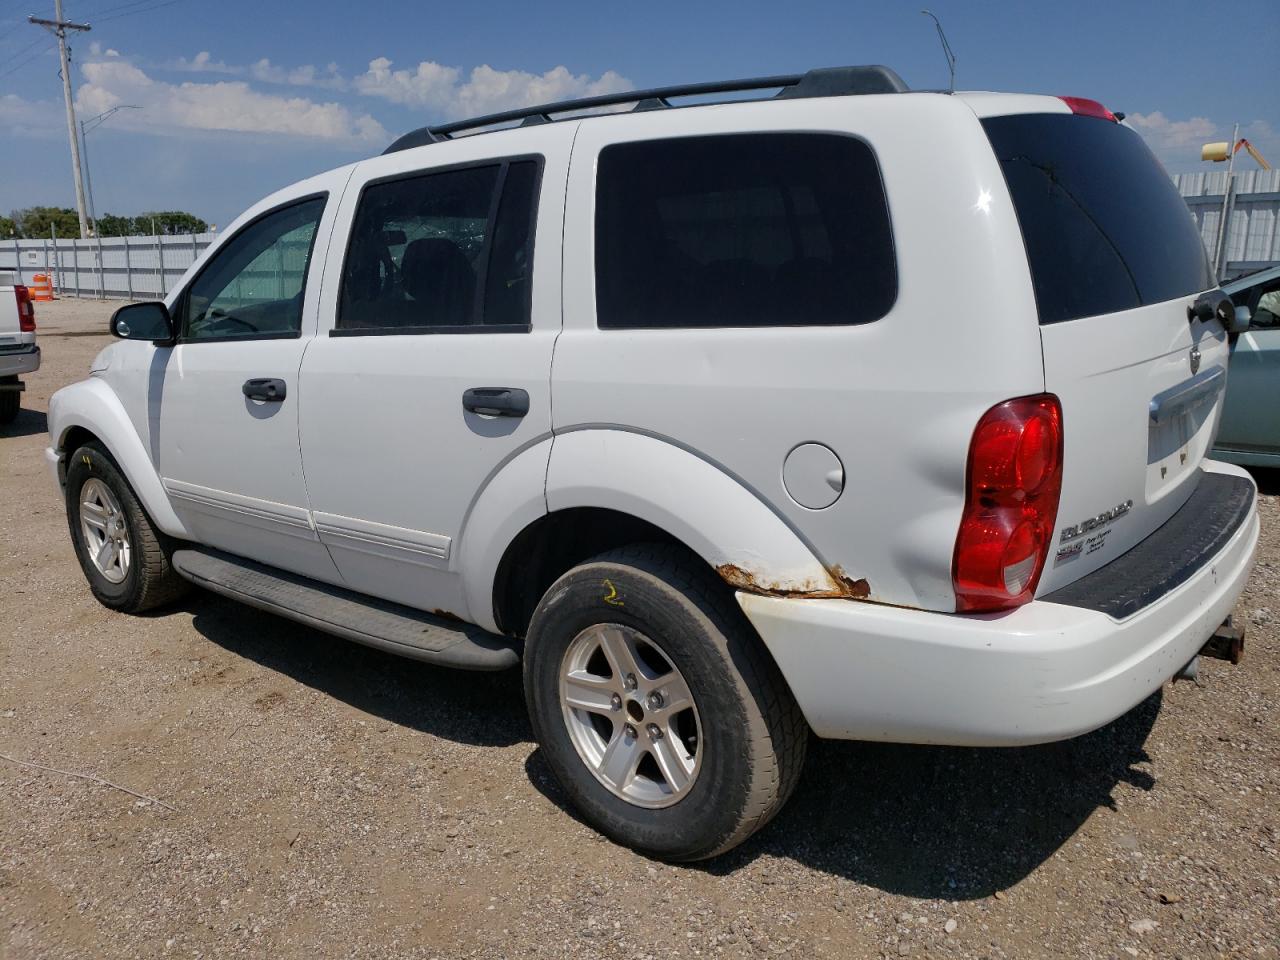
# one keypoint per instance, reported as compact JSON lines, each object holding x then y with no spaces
{"x":1045,"y":671}
{"x":19,"y":362}
{"x":56,"y":464}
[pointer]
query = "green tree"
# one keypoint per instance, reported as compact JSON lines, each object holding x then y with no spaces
{"x":7,"y":228}
{"x":34,"y":222}
{"x":110,"y":225}
{"x":170,"y":222}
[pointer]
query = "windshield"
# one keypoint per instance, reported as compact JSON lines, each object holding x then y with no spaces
{"x":1104,"y":227}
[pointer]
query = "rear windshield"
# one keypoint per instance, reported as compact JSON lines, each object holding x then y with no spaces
{"x":1104,"y":228}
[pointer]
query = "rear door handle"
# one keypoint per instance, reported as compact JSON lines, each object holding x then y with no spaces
{"x":496,"y":401}
{"x":264,"y":388}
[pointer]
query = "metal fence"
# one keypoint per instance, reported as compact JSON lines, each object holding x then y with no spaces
{"x":1253,"y":231}
{"x":148,"y":267}
{"x":116,"y":267}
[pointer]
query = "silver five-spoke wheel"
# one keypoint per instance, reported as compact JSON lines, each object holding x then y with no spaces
{"x":630,"y":715}
{"x":106,"y":535}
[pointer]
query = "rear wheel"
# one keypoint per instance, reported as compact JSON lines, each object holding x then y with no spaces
{"x":123,"y":556}
{"x":659,"y":712}
{"x":10,"y":400}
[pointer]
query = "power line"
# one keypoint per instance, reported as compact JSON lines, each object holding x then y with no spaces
{"x":30,"y":46}
{"x":42,"y":43}
{"x":129,"y":13}
{"x":124,"y":6}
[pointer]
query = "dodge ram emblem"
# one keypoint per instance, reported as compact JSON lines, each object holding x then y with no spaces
{"x":1195,"y":360}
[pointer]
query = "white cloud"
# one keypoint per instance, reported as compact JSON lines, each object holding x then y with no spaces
{"x":31,"y":118}
{"x":305,"y":76}
{"x":222,"y":105}
{"x":1164,"y":134}
{"x":434,"y":86}
{"x":203,"y":62}
{"x":1177,"y":142}
{"x":264,"y":71}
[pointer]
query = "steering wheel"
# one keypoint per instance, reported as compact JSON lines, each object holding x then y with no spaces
{"x":223,"y":315}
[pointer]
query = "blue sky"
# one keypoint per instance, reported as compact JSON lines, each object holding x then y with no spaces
{"x":241,"y":98}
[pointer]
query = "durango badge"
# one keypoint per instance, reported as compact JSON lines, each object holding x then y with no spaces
{"x":1093,"y":523}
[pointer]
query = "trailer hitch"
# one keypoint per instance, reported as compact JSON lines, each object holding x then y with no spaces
{"x":1227,"y":643}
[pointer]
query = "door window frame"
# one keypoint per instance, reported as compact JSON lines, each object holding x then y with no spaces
{"x":495,"y":203}
{"x":181,"y":303}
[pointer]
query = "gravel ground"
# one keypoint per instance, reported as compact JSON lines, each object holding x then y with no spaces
{"x":330,"y":800}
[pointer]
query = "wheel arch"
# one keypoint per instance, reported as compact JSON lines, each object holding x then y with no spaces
{"x":90,"y":410}
{"x":606,"y":487}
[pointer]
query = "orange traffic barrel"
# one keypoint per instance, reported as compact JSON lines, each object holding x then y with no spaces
{"x":41,"y":287}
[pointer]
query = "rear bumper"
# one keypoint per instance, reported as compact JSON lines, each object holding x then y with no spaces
{"x":1043,"y":672}
{"x":19,"y":362}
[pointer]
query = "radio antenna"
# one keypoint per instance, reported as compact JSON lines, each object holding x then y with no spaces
{"x":946,"y":49}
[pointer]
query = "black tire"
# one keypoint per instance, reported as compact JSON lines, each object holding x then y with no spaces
{"x":10,"y":401}
{"x":753,"y":735}
{"x":151,"y":580}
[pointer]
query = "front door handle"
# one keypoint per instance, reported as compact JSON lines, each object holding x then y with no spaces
{"x":264,"y":388}
{"x":496,"y":401}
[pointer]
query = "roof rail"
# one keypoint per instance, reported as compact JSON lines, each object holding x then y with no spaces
{"x":824,"y":82}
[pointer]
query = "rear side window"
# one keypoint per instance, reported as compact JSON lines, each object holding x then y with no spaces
{"x":742,"y":230}
{"x":441,"y":252}
{"x":1104,"y":227}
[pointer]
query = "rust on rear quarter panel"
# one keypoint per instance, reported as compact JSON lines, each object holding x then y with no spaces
{"x":838,"y":586}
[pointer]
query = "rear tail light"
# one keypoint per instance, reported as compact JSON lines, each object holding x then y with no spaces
{"x":1084,"y":107}
{"x":1012,"y":487}
{"x":26,"y":310}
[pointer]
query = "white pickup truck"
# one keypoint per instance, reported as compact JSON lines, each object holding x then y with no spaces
{"x":18,"y":351}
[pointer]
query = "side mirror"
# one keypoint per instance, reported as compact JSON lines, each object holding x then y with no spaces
{"x":142,"y":321}
{"x":1240,"y":320}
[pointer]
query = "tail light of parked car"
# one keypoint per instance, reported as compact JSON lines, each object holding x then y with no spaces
{"x":26,"y":310}
{"x":1012,"y":486}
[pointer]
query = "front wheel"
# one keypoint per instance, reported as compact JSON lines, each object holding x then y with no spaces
{"x":658,"y":710}
{"x":123,"y":556}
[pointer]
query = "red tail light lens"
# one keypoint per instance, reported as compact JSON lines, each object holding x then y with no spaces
{"x":1013,"y":483}
{"x":26,"y":310}
{"x":1084,"y":107}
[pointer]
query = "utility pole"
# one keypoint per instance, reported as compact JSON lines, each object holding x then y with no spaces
{"x":1220,"y":252}
{"x":59,"y":27}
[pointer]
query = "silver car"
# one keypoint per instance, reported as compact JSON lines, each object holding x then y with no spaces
{"x":1250,"y":431}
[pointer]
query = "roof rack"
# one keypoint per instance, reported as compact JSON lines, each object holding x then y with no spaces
{"x":824,"y":82}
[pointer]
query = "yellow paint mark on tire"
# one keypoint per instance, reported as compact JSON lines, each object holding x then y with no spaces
{"x":612,"y":597}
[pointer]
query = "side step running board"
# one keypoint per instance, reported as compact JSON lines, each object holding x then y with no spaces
{"x":344,"y":613}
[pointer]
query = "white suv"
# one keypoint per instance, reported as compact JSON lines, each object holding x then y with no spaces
{"x":852,"y":410}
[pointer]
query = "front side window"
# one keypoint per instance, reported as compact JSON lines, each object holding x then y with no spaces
{"x":253,"y":286}
{"x":442,"y":251}
{"x":742,"y":230}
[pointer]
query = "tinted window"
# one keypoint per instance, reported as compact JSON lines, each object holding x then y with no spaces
{"x":442,"y":250}
{"x":742,"y":231}
{"x":1104,"y":227}
{"x":253,"y":286}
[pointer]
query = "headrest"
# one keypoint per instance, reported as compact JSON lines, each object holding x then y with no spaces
{"x":436,"y":272}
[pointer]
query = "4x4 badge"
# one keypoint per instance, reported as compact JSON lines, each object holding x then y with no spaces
{"x":1195,"y":360}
